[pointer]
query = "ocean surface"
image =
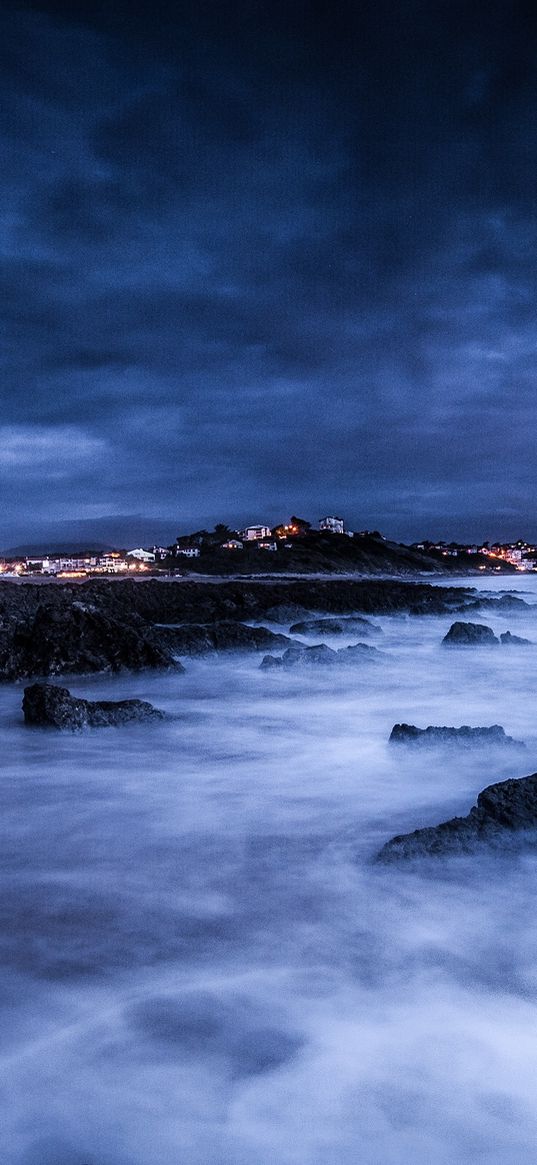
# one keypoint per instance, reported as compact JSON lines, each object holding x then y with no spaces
{"x":202,"y":965}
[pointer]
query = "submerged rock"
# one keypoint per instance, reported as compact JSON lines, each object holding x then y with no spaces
{"x":502,"y":812}
{"x":344,"y":626}
{"x":320,"y":656}
{"x":514,"y":640}
{"x":357,"y":651}
{"x":470,"y":635}
{"x":48,"y":706}
{"x":466,"y":736}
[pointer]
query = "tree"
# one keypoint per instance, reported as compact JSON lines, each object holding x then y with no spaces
{"x":302,"y":526}
{"x":223,"y":532}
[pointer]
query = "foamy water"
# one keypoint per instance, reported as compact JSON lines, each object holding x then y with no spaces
{"x":202,"y":966}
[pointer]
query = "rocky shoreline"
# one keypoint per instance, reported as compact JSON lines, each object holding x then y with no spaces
{"x":125,"y":626}
{"x":112,"y":626}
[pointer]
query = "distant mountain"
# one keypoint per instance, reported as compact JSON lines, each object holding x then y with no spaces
{"x":127,"y":530}
{"x":26,"y":549}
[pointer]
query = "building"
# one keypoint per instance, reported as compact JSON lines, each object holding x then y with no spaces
{"x":232,"y":544}
{"x":256,"y":533}
{"x":295,"y":528}
{"x":188,"y":551}
{"x":332,"y":525}
{"x":78,"y":563}
{"x":141,"y":555}
{"x":267,"y":546}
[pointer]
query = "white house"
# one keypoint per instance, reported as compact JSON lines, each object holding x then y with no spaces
{"x":332,"y":525}
{"x":267,"y":545}
{"x":232,"y":544}
{"x":256,"y":533}
{"x":112,"y":562}
{"x":141,"y":555}
{"x":188,"y":551}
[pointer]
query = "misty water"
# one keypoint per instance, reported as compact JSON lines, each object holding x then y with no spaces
{"x":201,"y":964}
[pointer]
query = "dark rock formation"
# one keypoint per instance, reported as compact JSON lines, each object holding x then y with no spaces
{"x":203,"y":638}
{"x":409,"y":734}
{"x":357,"y":653}
{"x":285,"y":613}
{"x":243,"y":600}
{"x":107,"y":625}
{"x":503,"y":604}
{"x":470,"y":635}
{"x":347,"y":625}
{"x":321,"y":656}
{"x":504,"y":815}
{"x":48,"y":706}
{"x":514,"y":640}
{"x":78,"y":640}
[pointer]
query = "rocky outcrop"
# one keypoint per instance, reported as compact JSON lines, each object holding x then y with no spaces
{"x":281,"y":601}
{"x":204,"y":638}
{"x":470,"y":635}
{"x":505,"y":815}
{"x":48,"y":706}
{"x":321,"y":656}
{"x":109,"y":625}
{"x":479,"y":635}
{"x":78,"y":640}
{"x":285,"y":613}
{"x":347,"y":625}
{"x":502,"y":604}
{"x":465,"y":736}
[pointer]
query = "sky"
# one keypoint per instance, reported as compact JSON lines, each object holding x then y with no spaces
{"x":263,"y":258}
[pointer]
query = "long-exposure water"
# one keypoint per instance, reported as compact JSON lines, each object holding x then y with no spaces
{"x":201,"y":963}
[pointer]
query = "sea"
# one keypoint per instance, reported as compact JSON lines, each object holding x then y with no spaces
{"x":201,"y":961}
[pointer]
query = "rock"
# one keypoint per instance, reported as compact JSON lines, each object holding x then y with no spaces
{"x":505,"y":603}
{"x":510,"y":603}
{"x":357,"y":651}
{"x":502,"y":812}
{"x":347,"y":625}
{"x":282,"y":601}
{"x":49,"y":629}
{"x":320,"y":656}
{"x":79,"y":640}
{"x":470,"y":635}
{"x":409,"y":734}
{"x":514,"y":640}
{"x":270,"y":661}
{"x":203,"y":638}
{"x":285,"y":613}
{"x":48,"y":706}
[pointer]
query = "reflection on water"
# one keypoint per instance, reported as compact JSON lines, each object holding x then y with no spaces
{"x":201,"y":965}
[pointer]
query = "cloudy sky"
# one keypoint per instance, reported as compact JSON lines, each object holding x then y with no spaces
{"x":268,"y":257}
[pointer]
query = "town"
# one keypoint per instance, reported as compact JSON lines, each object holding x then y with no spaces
{"x":234,"y":549}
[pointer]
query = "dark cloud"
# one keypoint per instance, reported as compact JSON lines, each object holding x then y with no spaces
{"x":265,"y":257}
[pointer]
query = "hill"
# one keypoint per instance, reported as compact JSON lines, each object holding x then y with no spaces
{"x":320,"y":553}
